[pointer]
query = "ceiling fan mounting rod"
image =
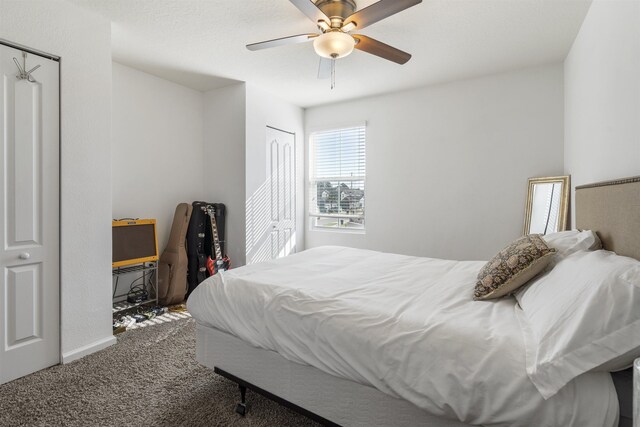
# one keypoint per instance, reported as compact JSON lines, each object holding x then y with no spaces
{"x":337,"y":10}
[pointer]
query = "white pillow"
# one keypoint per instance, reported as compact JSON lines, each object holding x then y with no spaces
{"x":583,"y":315}
{"x":568,"y":242}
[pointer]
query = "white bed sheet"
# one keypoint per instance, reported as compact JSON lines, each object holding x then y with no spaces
{"x":405,"y":325}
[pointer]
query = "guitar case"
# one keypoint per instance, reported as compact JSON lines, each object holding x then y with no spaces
{"x":200,"y":241}
{"x":172,"y":266}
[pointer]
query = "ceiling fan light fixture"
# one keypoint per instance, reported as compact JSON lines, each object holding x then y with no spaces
{"x":334,"y":44}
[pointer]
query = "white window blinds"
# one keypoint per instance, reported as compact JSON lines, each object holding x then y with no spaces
{"x":337,"y":178}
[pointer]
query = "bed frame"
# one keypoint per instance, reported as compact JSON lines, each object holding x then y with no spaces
{"x":327,"y":399}
{"x":611,"y":208}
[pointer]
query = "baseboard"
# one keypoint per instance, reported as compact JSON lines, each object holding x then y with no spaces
{"x":86,"y":350}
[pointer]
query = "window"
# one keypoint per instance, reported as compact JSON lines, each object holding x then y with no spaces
{"x":337,"y":179}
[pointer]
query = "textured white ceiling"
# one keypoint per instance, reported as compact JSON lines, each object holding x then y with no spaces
{"x":201,"y":43}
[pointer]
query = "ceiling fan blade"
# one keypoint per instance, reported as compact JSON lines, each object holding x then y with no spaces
{"x":374,"y":47}
{"x":324,"y":70}
{"x":311,"y":11}
{"x":379,"y":11}
{"x":300,"y":38}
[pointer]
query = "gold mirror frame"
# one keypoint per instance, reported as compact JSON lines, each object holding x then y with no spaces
{"x":563,"y":211}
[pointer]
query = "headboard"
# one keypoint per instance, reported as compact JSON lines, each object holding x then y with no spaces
{"x":612,"y":209}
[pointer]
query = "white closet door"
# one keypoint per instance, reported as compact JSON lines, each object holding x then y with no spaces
{"x":29,"y":210}
{"x":281,"y":158}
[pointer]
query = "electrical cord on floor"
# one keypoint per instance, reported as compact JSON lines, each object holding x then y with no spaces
{"x":134,"y":281}
{"x":135,"y":288}
{"x":149,"y":277}
{"x":141,"y":286}
{"x":131,"y":285}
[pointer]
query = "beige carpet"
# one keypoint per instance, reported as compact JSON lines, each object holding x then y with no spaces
{"x":150,"y":378}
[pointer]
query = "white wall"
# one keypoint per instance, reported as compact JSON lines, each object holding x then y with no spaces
{"x":83,"y":40}
{"x":224,"y":161}
{"x":157,"y":147}
{"x":265,"y":109}
{"x":447,"y":165}
{"x":602,"y":94}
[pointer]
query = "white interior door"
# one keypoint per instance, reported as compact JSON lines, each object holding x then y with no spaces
{"x":281,"y":199}
{"x":29,"y":210}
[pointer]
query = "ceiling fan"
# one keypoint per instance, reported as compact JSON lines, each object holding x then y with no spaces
{"x":336,"y":19}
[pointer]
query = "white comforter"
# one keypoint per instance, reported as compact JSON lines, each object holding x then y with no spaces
{"x":405,"y":325}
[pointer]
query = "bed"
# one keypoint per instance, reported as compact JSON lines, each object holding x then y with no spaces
{"x":353,"y":337}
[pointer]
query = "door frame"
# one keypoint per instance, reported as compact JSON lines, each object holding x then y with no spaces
{"x":57,"y":59}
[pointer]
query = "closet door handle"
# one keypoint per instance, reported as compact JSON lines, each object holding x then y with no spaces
{"x":24,"y":255}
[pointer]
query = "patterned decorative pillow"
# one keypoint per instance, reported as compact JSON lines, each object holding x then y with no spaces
{"x":512,"y":267}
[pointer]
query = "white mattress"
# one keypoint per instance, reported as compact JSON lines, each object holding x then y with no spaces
{"x":405,"y":325}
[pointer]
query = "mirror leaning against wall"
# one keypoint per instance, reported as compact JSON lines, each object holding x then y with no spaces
{"x":547,"y":206}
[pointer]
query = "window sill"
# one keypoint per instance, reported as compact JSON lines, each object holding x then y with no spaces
{"x":338,"y":230}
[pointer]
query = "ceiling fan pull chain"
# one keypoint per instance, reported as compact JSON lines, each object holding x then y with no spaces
{"x":333,"y":72}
